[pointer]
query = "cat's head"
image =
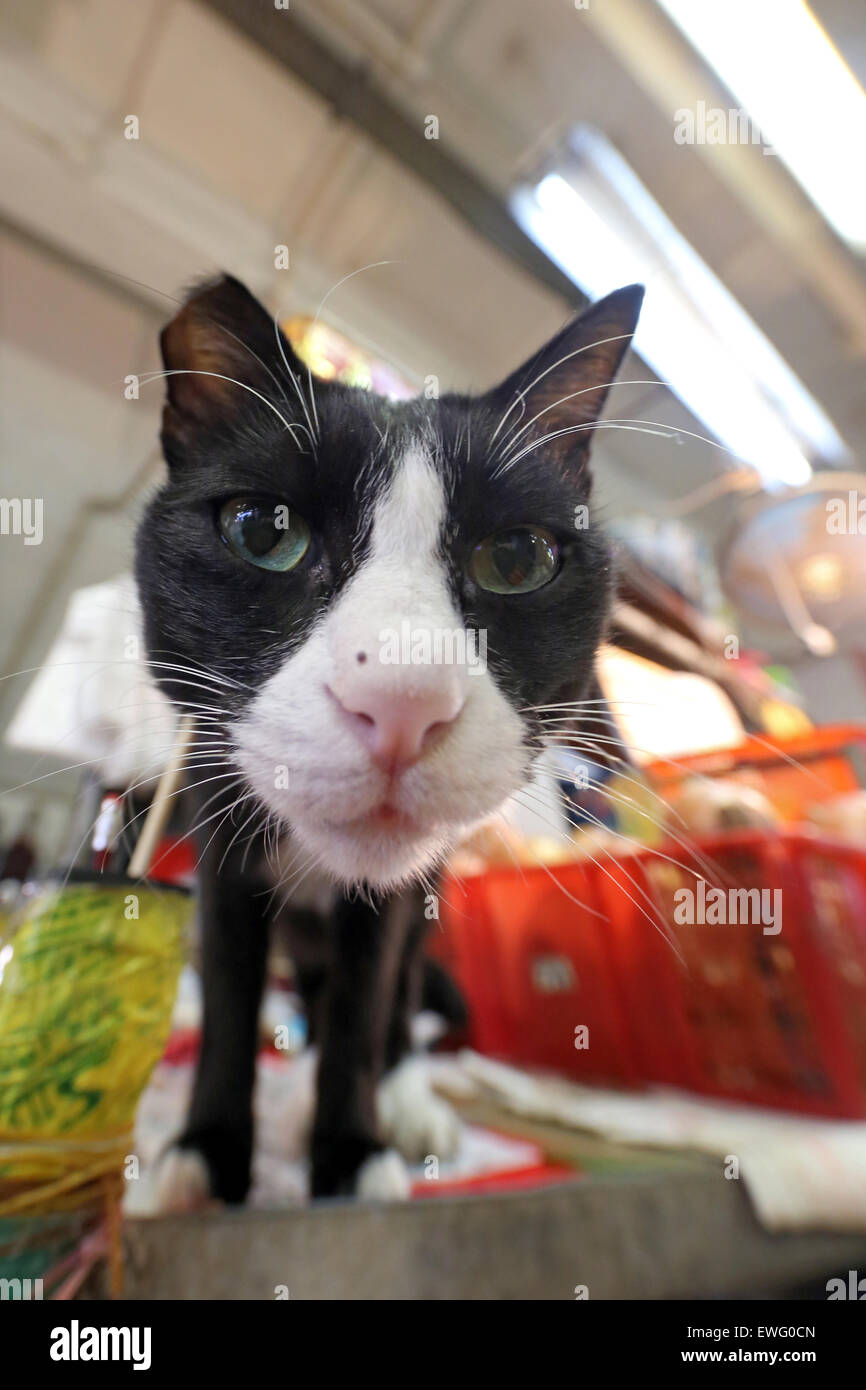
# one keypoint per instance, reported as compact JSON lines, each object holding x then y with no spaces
{"x":379,"y":595}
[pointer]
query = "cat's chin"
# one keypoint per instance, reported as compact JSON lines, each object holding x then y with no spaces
{"x":382,"y":856}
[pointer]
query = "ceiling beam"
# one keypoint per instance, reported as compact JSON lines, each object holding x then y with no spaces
{"x":353,"y":95}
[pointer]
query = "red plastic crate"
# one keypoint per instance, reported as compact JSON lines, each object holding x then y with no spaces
{"x":536,"y":967}
{"x":792,"y":773}
{"x":771,"y":1019}
{"x":726,"y":1010}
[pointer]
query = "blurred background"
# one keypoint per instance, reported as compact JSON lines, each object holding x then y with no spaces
{"x":425,"y":190}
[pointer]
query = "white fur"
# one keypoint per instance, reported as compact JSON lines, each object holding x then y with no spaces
{"x":180,"y":1183}
{"x":333,"y":785}
{"x":383,"y":1178}
{"x":411,"y":1115}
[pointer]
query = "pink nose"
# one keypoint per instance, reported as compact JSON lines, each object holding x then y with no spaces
{"x":397,"y":727}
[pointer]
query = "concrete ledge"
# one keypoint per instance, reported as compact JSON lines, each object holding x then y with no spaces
{"x":649,"y":1235}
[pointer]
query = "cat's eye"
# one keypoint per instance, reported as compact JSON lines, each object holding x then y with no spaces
{"x":265,"y":533}
{"x":515,"y":562}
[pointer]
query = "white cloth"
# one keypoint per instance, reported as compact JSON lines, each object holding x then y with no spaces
{"x":802,"y":1173}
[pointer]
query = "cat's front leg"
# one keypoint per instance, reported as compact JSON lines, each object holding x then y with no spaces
{"x":213,"y":1155}
{"x":411,"y":1117}
{"x":347,"y":1154}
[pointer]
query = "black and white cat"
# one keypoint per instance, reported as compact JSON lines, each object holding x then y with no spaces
{"x":303,"y":525}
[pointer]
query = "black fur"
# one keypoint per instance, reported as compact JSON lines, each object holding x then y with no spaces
{"x":207,"y":609}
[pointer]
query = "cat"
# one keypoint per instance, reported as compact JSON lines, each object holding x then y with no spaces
{"x":303,"y":525}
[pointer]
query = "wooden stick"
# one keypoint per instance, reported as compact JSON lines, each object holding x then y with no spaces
{"x":158,"y":812}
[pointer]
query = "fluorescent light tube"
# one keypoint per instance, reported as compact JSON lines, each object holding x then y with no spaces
{"x":780,"y":65}
{"x":595,"y":219}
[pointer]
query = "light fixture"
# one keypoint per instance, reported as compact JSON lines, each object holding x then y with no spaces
{"x":822,"y":576}
{"x":787,"y":568}
{"x":780,"y":65}
{"x":591,"y":214}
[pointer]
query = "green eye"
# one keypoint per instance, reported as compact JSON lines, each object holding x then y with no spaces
{"x":515,"y":562}
{"x":265,"y":533}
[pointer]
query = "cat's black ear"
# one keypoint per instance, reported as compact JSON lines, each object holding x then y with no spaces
{"x":218,"y":349}
{"x":560,"y":392}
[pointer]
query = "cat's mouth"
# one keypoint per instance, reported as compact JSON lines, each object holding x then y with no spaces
{"x":384,"y":816}
{"x":388,"y":814}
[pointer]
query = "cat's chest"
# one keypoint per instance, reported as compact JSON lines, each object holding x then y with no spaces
{"x":294,"y":877}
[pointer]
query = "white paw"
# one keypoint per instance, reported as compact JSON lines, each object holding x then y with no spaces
{"x":383,"y":1178}
{"x":412,"y":1117}
{"x":180,"y":1182}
